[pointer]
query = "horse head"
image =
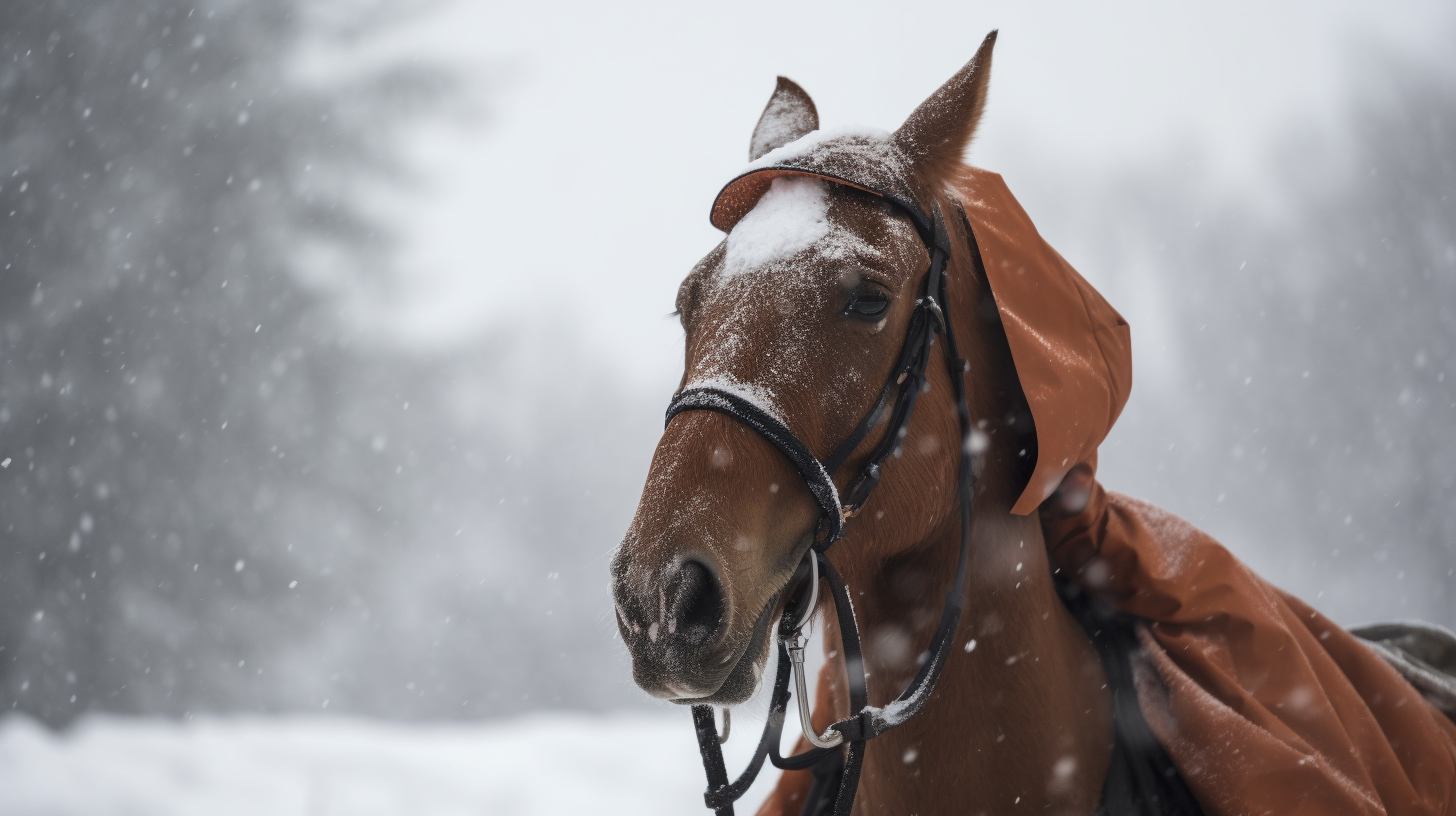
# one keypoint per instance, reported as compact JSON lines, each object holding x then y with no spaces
{"x":803,"y":310}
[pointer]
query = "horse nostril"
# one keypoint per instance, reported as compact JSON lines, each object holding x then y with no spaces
{"x":697,"y":604}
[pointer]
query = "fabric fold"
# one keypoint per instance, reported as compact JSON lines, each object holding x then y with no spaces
{"x":1265,"y":705}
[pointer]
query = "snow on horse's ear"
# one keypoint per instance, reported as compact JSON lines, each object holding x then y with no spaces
{"x":938,"y":133}
{"x":789,"y":114}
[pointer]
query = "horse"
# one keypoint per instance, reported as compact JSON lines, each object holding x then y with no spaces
{"x":1024,"y":716}
{"x":797,"y":319}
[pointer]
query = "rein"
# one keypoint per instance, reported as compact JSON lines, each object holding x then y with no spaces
{"x":848,"y":736}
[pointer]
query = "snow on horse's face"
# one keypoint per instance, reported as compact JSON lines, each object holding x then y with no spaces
{"x":803,"y":309}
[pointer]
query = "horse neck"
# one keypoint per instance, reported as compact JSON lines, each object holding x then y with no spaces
{"x":1022,"y":669}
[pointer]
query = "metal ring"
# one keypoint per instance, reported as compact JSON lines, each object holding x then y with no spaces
{"x":806,"y":613}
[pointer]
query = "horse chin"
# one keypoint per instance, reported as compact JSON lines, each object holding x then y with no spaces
{"x":743,"y":680}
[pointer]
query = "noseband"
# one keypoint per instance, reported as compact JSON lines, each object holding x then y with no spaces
{"x":906,"y":382}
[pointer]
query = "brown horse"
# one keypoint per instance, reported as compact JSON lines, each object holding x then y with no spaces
{"x":1184,"y":683}
{"x":804,"y":306}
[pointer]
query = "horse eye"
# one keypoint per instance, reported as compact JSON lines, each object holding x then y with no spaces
{"x":867,"y":303}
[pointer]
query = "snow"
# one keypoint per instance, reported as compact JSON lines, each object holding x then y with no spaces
{"x":806,"y":143}
{"x":791,"y":216}
{"x":749,"y":392}
{"x":642,"y":764}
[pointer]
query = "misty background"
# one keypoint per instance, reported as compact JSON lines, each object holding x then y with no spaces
{"x":334,"y":336}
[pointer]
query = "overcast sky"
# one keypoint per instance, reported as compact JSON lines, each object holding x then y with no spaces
{"x":585,"y":189}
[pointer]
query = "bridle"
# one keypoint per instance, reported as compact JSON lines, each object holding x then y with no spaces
{"x":906,"y":382}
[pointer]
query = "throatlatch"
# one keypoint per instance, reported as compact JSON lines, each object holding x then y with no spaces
{"x":907,"y":380}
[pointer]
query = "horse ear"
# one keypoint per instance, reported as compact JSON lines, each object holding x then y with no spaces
{"x":937,"y":134}
{"x":789,"y":114}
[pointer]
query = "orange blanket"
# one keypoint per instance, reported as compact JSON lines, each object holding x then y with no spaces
{"x":1264,"y":705}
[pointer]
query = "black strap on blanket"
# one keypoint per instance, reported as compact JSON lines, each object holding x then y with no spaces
{"x":1141,"y":778}
{"x":836,"y":780}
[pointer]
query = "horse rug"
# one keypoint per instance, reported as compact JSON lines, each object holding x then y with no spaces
{"x":1263,"y":704}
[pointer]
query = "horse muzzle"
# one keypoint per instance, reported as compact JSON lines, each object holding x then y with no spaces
{"x":679,"y":632}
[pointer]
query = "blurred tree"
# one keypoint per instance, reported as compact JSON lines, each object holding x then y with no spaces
{"x":168,"y":375}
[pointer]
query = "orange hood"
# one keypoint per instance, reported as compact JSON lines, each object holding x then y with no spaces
{"x":1072,"y":350}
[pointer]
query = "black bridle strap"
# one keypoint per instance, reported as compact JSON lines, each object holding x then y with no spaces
{"x":721,"y":796}
{"x":911,"y":381}
{"x":760,"y":419}
{"x":712,"y":751}
{"x":852,"y":442}
{"x":858,"y":681}
{"x":904,"y":367}
{"x":869,"y":722}
{"x":865,"y":722}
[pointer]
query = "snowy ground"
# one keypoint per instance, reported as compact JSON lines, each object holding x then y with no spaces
{"x":106,"y":766}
